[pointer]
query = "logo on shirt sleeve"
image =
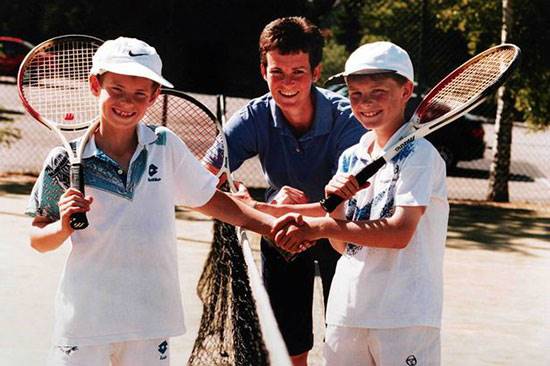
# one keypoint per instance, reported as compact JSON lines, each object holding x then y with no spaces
{"x":153,"y":170}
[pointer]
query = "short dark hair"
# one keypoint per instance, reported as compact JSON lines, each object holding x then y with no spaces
{"x":291,"y":35}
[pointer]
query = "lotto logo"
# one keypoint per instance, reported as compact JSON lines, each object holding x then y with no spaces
{"x":411,"y":360}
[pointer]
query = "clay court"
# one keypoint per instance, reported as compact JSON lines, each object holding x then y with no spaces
{"x":496,"y":304}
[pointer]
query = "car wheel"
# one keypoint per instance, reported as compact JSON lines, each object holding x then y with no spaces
{"x":448,"y":156}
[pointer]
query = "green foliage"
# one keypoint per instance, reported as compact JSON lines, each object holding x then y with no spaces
{"x":334,"y":58}
{"x":441,"y":34}
{"x":199,"y":47}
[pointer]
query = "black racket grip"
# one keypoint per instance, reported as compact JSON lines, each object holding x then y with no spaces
{"x":330,"y":203}
{"x":78,"y":220}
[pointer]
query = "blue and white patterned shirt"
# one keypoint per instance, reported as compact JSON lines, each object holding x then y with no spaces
{"x":391,"y":288}
{"x":120,"y":281}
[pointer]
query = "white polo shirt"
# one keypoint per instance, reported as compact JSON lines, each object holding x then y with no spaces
{"x":120,"y":280}
{"x":394,"y":288}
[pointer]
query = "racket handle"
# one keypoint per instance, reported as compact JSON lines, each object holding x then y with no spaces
{"x":330,"y":203}
{"x":78,"y":220}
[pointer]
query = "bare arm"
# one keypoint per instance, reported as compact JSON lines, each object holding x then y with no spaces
{"x":343,"y":185}
{"x":307,"y":209}
{"x":225,"y":208}
{"x":394,"y":232}
{"x":47,"y":234}
{"x":287,"y":200}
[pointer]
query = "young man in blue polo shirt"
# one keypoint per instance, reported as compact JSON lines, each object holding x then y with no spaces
{"x":298,"y":132}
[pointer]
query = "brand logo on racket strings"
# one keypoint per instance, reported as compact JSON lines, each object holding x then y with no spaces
{"x":153,"y":169}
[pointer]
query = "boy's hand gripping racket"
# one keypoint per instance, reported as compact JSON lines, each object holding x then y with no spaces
{"x":53,"y":87}
{"x":458,"y":93}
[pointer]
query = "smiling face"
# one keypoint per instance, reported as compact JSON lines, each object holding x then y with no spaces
{"x":290,"y":78}
{"x":378,"y":101}
{"x":123,"y":99}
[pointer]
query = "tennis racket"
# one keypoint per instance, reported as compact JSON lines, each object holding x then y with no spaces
{"x":53,"y":87}
{"x":458,"y":93}
{"x":188,"y":118}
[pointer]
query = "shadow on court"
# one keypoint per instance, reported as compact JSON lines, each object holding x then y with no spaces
{"x":496,"y":303}
{"x":471,"y":225}
{"x":16,"y":184}
{"x":484,"y":174}
{"x":498,"y":228}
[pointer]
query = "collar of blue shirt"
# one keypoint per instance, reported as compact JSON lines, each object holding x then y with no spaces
{"x":321,"y":126}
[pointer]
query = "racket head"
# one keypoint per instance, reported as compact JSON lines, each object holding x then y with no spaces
{"x":467,"y":85}
{"x":188,"y":118}
{"x":53,"y":82}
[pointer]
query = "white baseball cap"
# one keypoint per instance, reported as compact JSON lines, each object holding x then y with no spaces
{"x":378,"y":57}
{"x":129,"y":56}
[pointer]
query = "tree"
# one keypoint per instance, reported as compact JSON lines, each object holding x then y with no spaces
{"x":334,"y":57}
{"x":500,"y":166}
{"x":441,"y":34}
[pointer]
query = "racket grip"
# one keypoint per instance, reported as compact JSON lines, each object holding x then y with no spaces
{"x":287,"y":256}
{"x":330,"y":203}
{"x":78,"y":220}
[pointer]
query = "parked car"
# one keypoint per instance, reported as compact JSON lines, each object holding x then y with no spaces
{"x":12,"y":52}
{"x":461,"y":140}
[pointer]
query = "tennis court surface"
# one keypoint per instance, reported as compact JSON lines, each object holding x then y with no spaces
{"x":497,"y":287}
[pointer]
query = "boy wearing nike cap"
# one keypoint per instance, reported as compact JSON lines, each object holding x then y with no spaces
{"x":119,"y":299}
{"x":385,"y":301}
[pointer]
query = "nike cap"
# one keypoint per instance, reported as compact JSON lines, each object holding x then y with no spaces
{"x":377,"y":58}
{"x":129,"y":56}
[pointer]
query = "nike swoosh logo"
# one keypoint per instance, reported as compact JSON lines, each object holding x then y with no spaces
{"x":136,"y":54}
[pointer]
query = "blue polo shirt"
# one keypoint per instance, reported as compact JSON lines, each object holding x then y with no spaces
{"x":306,"y":162}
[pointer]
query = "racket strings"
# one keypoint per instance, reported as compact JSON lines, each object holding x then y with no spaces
{"x":187,"y":120}
{"x":55,"y":82}
{"x":468,"y":83}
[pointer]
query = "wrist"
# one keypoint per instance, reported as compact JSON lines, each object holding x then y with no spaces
{"x":64,"y":228}
{"x":325,"y":226}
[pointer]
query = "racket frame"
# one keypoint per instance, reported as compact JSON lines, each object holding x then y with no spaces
{"x":78,"y":220}
{"x":417,"y":130}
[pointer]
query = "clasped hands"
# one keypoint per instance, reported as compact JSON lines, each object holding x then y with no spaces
{"x":294,"y":232}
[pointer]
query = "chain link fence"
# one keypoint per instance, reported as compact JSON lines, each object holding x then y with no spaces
{"x":467,"y":145}
{"x":529,"y":178}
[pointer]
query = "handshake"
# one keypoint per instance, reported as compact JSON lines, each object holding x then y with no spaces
{"x":291,"y":235}
{"x":292,"y":232}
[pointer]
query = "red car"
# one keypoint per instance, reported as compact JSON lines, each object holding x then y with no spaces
{"x":12,"y":51}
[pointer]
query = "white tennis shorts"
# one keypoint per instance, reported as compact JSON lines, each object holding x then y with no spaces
{"x":380,"y":347}
{"x":132,"y":353}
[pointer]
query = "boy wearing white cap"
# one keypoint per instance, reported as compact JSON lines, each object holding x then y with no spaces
{"x":385,"y":301}
{"x":119,"y":300}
